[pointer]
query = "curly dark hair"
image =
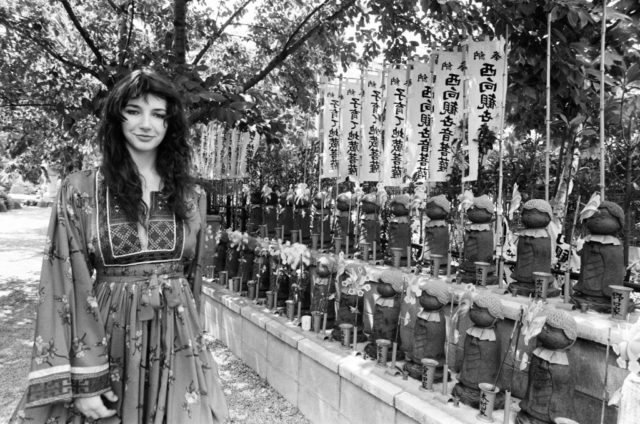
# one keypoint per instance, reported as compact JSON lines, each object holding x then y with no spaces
{"x":174,"y":154}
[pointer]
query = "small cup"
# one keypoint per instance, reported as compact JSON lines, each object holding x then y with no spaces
{"x":346,"y":335}
{"x":317,"y":321}
{"x":482,"y":269}
{"x":397,"y":256}
{"x":364,"y":248}
{"x":382,"y":351}
{"x":487,"y":401}
{"x":620,"y":302}
{"x":237,"y":284}
{"x":294,"y":236}
{"x":436,"y":260}
{"x":314,"y":241}
{"x":209,"y":271}
{"x":263,"y":231}
{"x":305,"y":322}
{"x":584,"y":307}
{"x":428,"y":373}
{"x":541,"y":281}
{"x":271,"y":304}
{"x":224,"y":278}
{"x":337,"y":240}
{"x":290,"y":308}
{"x":251,"y":289}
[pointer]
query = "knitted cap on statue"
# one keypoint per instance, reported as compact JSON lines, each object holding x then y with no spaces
{"x":478,"y":240}
{"x":602,"y":256}
{"x":481,"y":357}
{"x":429,"y":331}
{"x":551,"y":397}
{"x":534,"y":248}
{"x":387,"y":311}
{"x":399,"y":227}
{"x":436,"y":229}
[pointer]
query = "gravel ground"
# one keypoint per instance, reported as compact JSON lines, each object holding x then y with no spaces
{"x":251,"y":400}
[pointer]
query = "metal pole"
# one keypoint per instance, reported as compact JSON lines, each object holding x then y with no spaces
{"x":602,"y":57}
{"x":548,"y":117}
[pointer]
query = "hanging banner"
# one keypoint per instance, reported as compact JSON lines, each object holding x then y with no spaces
{"x":253,"y":143}
{"x":331,"y":136}
{"x":447,"y":112}
{"x":419,"y":120}
{"x":393,"y":169}
{"x":244,"y":146}
{"x":217,"y":131}
{"x":372,"y":126}
{"x":235,"y":147}
{"x":486,"y":71}
{"x":350,"y":136}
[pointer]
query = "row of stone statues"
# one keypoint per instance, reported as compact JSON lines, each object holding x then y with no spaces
{"x":602,"y":261}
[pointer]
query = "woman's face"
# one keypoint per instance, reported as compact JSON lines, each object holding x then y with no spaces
{"x":145,"y":124}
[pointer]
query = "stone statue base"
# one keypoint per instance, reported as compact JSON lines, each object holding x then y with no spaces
{"x":528,"y":289}
{"x":470,"y":277}
{"x":597,"y":304}
{"x":524,"y":418}
{"x":470,"y":396}
{"x":415,"y":371}
{"x":371,"y":350}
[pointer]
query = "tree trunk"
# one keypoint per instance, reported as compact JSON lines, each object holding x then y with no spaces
{"x":180,"y":34}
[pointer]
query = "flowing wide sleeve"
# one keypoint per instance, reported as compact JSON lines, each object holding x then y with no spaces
{"x":70,"y":349}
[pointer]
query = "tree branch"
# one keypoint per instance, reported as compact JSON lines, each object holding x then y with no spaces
{"x":126,"y":47}
{"x":83,"y":33}
{"x":45,"y":45}
{"x":217,"y":34}
{"x":303,"y":23}
{"x":286,"y":52}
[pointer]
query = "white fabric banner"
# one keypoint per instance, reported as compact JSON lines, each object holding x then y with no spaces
{"x":394,"y":167}
{"x":233,"y":160}
{"x":419,"y":120}
{"x":351,"y":134}
{"x":217,"y":130}
{"x":331,"y":127}
{"x":372,"y":126}
{"x":447,"y":113}
{"x":486,"y":70}
{"x":245,"y":141}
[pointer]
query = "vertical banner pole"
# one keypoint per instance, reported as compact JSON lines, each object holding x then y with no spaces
{"x":548,"y":116}
{"x":602,"y":57}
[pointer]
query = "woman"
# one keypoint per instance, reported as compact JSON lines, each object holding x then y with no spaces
{"x":117,"y":334}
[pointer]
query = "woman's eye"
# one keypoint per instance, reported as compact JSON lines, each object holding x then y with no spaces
{"x":160,"y":115}
{"x":131,"y":111}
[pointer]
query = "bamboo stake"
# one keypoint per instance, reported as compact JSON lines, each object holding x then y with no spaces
{"x":606,"y":377}
{"x":499,"y":225}
{"x":602,"y":57}
{"x":507,"y":403}
{"x":567,"y":273}
{"x":548,"y":115}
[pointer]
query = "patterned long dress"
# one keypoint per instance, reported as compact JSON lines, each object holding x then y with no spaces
{"x":116,"y":312}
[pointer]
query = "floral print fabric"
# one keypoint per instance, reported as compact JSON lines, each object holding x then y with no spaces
{"x":118,"y":314}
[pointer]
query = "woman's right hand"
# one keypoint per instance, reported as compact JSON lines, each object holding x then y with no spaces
{"x":93,"y":407}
